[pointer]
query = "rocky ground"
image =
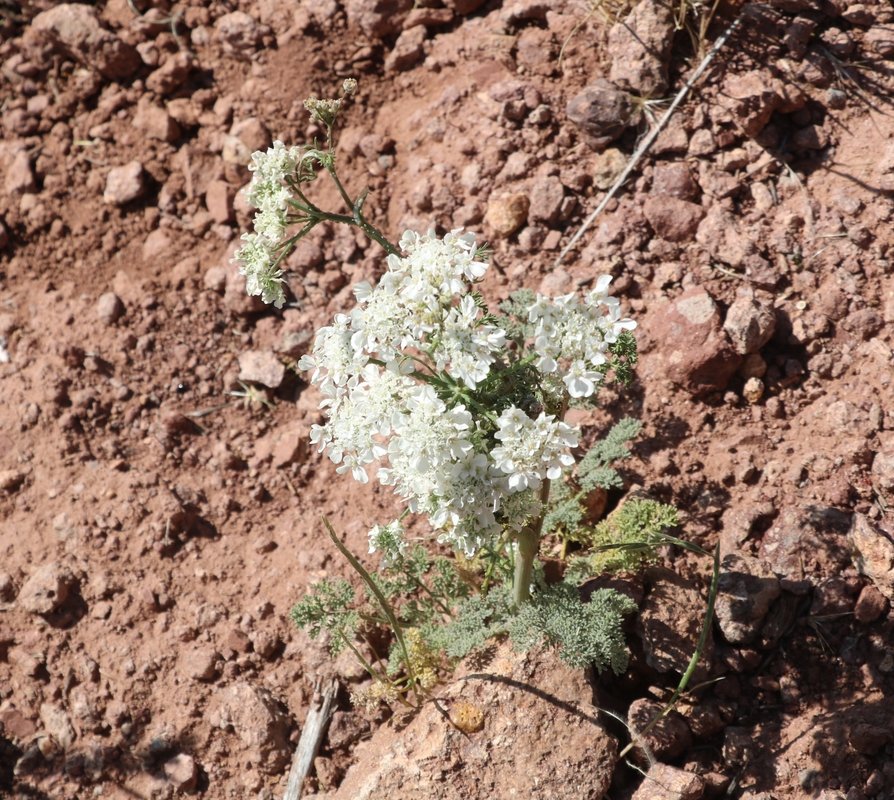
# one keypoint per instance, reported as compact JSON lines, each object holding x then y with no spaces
{"x":159,"y":505}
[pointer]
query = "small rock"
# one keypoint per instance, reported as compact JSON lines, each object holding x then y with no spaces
{"x":749,"y":323}
{"x":724,"y":238}
{"x":670,"y":623}
{"x":215,"y":279}
{"x":753,"y":96}
{"x":238,"y":32}
{"x":663,"y":782}
{"x":746,"y":590}
{"x":639,"y":49}
{"x":673,"y":219}
{"x":19,"y":176}
{"x":170,"y":75}
{"x":881,"y":40}
{"x":674,"y":179}
{"x":520,"y":11}
{"x":155,"y":122}
{"x":868,"y":739}
{"x":507,"y":213}
{"x":75,"y":28}
{"x":253,"y":133}
{"x":602,"y":112}
{"x":667,"y":738}
{"x":693,"y":350}
{"x":219,"y":201}
{"x":257,"y":720}
{"x":57,"y":724}
{"x":124,"y":184}
{"x":547,"y":194}
{"x":201,"y":664}
{"x":380,"y":18}
{"x":11,"y":480}
{"x":182,"y":772}
{"x":873,"y":552}
{"x":607,"y":166}
{"x":806,"y":542}
{"x":47,"y":589}
{"x":753,"y":390}
{"x":408,"y":50}
{"x":109,"y":308}
{"x":871,"y":604}
{"x":813,"y":137}
{"x":261,"y":366}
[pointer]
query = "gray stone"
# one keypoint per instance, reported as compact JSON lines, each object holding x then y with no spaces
{"x":20,"y":176}
{"x":109,"y":308}
{"x":873,"y":546}
{"x":58,"y":724}
{"x":807,"y":543}
{"x":258,"y":722}
{"x":182,"y":772}
{"x":602,"y":112}
{"x":124,"y":184}
{"x":261,"y":366}
{"x":47,"y":589}
{"x":746,"y":590}
{"x":663,"y":782}
{"x":639,"y":49}
{"x":750,"y":323}
{"x":75,"y":29}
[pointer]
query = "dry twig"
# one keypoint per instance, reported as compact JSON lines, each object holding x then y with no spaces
{"x":311,"y":737}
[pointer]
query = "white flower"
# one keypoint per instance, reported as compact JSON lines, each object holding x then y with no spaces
{"x":262,"y":278}
{"x":568,"y":331}
{"x":531,"y":450}
{"x":333,"y":359}
{"x":389,"y":539}
{"x":464,"y":348}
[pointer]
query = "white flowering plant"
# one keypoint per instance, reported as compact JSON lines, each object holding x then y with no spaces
{"x":460,"y":410}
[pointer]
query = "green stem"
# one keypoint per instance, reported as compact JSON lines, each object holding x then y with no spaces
{"x":526,"y":546}
{"x":526,"y":549}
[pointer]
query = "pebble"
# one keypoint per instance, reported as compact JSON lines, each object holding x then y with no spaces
{"x":378,"y":19}
{"x":261,"y":366}
{"x":873,"y":552}
{"x":674,"y":179}
{"x":602,"y":112}
{"x":639,"y":49}
{"x":58,"y":724}
{"x":664,"y":782}
{"x":753,"y":390}
{"x":507,"y":213}
{"x":170,"y":75}
{"x":109,"y":308}
{"x":155,"y":122}
{"x":668,"y":738}
{"x":19,"y":175}
{"x":76,"y":28}
{"x":871,"y":604}
{"x":238,"y":32}
{"x":672,"y":219}
{"x":219,"y":201}
{"x":746,"y":590}
{"x":11,"y":480}
{"x":547,"y":194}
{"x":252,"y":133}
{"x":182,"y":772}
{"x":693,"y":351}
{"x":607,"y":166}
{"x":47,"y":589}
{"x":408,"y":50}
{"x":124,"y":184}
{"x":257,"y":720}
{"x":752,"y":97}
{"x":202,"y":664}
{"x":750,"y":323}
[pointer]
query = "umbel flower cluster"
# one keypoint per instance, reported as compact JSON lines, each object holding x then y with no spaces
{"x":428,"y":392}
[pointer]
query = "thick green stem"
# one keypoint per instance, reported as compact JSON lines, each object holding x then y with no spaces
{"x":527,"y":543}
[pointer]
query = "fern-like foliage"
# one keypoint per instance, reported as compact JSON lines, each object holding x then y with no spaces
{"x":566,"y":514}
{"x":583,"y":633}
{"x":478,"y":618}
{"x":627,"y":539}
{"x":328,"y":607}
